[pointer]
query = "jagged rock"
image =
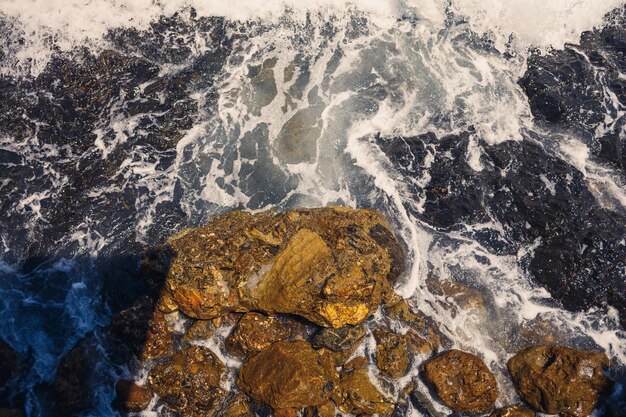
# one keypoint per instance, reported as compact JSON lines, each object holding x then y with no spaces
{"x":256,"y":331}
{"x":237,"y":406}
{"x":534,"y":196}
{"x":131,"y":397}
{"x":560,"y":380}
{"x":344,"y":338}
{"x":158,"y":340}
{"x":321,"y":264}
{"x":423,"y":336}
{"x":200,"y":330}
{"x":392,"y":355}
{"x":355,"y":394}
{"x":462,"y":381}
{"x":287,"y":375}
{"x":513,"y":412}
{"x":190,"y":382}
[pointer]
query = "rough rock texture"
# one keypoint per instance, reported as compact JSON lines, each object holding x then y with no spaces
{"x":560,"y":380}
{"x":513,"y":412}
{"x":581,"y":86}
{"x":536,"y":197}
{"x":200,"y":330}
{"x":237,"y":406}
{"x":158,"y":340}
{"x":131,"y":397}
{"x":462,"y":381}
{"x":323,"y":264}
{"x":190,"y":382}
{"x":345,"y":338}
{"x":423,"y":336}
{"x":287,"y":375}
{"x":355,"y":394}
{"x":256,"y":331}
{"x":392,"y":353}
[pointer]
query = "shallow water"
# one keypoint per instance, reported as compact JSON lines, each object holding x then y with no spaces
{"x":410,"y":107}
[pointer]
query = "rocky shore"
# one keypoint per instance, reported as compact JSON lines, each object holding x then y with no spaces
{"x":265,"y":313}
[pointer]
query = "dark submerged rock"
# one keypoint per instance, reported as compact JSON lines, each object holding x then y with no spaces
{"x":462,"y":381}
{"x":131,"y":397}
{"x":558,"y":379}
{"x":533,"y":195}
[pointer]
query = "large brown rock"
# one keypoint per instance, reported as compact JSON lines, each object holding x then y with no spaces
{"x":256,"y":331}
{"x":355,"y":394}
{"x":462,"y":381}
{"x":287,"y":375}
{"x":332,"y":265}
{"x":560,"y":380}
{"x":190,"y":382}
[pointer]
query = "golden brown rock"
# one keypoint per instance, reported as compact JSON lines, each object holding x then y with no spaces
{"x":339,"y":340}
{"x":332,"y":266}
{"x":423,"y":336}
{"x":355,"y":394}
{"x":392,"y":356}
{"x":256,"y":331}
{"x":513,"y":412}
{"x":131,"y":397}
{"x":190,"y":382}
{"x":287,"y":375}
{"x":200,"y":330}
{"x":462,"y":381}
{"x":237,"y":406}
{"x":158,"y":341}
{"x":560,"y":380}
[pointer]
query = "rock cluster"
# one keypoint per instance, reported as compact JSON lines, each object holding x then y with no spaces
{"x":287,"y":294}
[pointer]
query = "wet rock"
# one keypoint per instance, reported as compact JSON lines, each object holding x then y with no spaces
{"x":131,"y":397}
{"x":287,"y":375}
{"x":535,"y":197}
{"x":392,"y":356}
{"x":72,"y":386}
{"x":344,"y":338}
{"x":423,"y":336}
{"x":200,"y":330}
{"x":355,"y":394}
{"x":462,"y":381}
{"x":463,"y":296}
{"x":158,"y":339}
{"x":513,"y":412}
{"x":321,"y":264}
{"x":297,"y":141}
{"x":130,"y":326}
{"x":578,"y":88}
{"x":327,"y":409}
{"x":560,"y":380}
{"x":237,"y":406}
{"x":190,"y":382}
{"x":256,"y":331}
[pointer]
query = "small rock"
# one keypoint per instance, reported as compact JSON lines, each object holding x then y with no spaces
{"x":355,"y":394}
{"x":462,"y":381}
{"x":514,"y":411}
{"x":339,"y":340}
{"x":200,"y":330}
{"x":256,"y":331}
{"x":287,"y":375}
{"x":560,"y":380}
{"x":423,"y":336}
{"x":237,"y":406}
{"x":131,"y":397}
{"x":190,"y":382}
{"x":392,"y":355}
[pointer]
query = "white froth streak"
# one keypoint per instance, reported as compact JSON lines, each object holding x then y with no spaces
{"x":367,"y":158}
